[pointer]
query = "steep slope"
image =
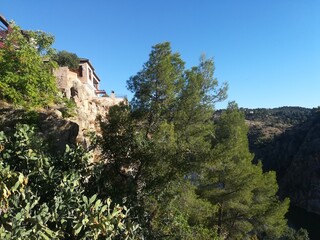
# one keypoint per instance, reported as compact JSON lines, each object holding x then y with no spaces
{"x":56,"y":130}
{"x":301,"y":179}
{"x":290,"y":145}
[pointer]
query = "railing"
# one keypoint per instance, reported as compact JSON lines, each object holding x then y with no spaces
{"x":112,"y":95}
{"x":3,"y":28}
{"x":100,"y":92}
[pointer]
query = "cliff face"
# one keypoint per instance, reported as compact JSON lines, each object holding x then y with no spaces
{"x":56,"y":130}
{"x":87,"y":113}
{"x":89,"y":106}
{"x":60,"y":131}
{"x":301,"y":179}
{"x":293,"y":151}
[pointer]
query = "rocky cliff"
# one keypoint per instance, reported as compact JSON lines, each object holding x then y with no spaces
{"x":88,"y":106}
{"x":49,"y":123}
{"x":290,"y":145}
{"x":58,"y":130}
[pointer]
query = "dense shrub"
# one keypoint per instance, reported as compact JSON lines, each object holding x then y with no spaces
{"x":42,"y":196}
{"x":26,"y":77}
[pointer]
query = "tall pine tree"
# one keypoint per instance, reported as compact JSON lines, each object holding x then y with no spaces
{"x":245,"y":197}
{"x":167,"y":135}
{"x":157,"y":86}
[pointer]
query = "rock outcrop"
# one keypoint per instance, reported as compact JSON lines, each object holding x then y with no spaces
{"x":89,"y":106}
{"x":49,"y":124}
{"x":88,"y":111}
{"x":60,"y":131}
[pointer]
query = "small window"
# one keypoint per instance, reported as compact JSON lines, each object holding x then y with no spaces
{"x":95,"y":83}
{"x":90,"y":74}
{"x":80,"y":71}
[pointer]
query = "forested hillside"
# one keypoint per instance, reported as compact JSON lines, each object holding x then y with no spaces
{"x":265,"y":124}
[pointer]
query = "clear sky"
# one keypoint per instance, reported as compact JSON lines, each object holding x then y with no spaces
{"x":268,"y":51}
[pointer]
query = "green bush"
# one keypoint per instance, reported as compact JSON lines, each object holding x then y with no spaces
{"x":67,"y":59}
{"x":69,"y":108}
{"x":42,"y":196}
{"x":26,"y":78}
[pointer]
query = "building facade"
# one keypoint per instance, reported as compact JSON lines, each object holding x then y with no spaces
{"x":83,"y":84}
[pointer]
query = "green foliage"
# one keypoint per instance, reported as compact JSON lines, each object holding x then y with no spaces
{"x":167,"y":135}
{"x":26,"y":79}
{"x":291,"y":234}
{"x":185,"y":217}
{"x":42,"y":196}
{"x":157,"y":86}
{"x":163,"y":135}
{"x":69,"y":107}
{"x":67,"y":59}
{"x":42,"y":41}
{"x":245,"y":196}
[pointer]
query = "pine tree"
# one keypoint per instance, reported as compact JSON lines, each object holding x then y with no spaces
{"x":165,"y":137}
{"x":160,"y":136}
{"x":245,"y":196}
{"x":157,"y":86}
{"x":193,"y":119}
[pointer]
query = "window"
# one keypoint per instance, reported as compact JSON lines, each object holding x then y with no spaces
{"x":95,"y":83}
{"x":90,"y":74}
{"x":80,"y":71}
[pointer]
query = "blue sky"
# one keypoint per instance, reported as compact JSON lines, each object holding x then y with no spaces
{"x":268,"y":51}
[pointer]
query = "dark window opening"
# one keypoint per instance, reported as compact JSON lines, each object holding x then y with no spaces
{"x":80,"y":71}
{"x":90,"y":74}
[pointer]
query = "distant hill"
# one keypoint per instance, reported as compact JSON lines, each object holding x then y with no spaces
{"x":265,"y":124}
{"x":287,"y":140}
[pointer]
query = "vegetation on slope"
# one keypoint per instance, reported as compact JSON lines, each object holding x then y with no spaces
{"x":265,"y":124}
{"x":181,"y":175}
{"x":43,"y":196}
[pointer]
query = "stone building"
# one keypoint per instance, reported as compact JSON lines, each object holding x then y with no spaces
{"x":83,"y":84}
{"x":83,"y":87}
{"x":71,"y":82}
{"x":87,"y":75}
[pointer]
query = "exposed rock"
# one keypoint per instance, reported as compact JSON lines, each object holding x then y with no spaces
{"x":59,"y":131}
{"x":56,"y":113}
{"x":56,"y":130}
{"x":89,"y":106}
{"x":301,"y":178}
